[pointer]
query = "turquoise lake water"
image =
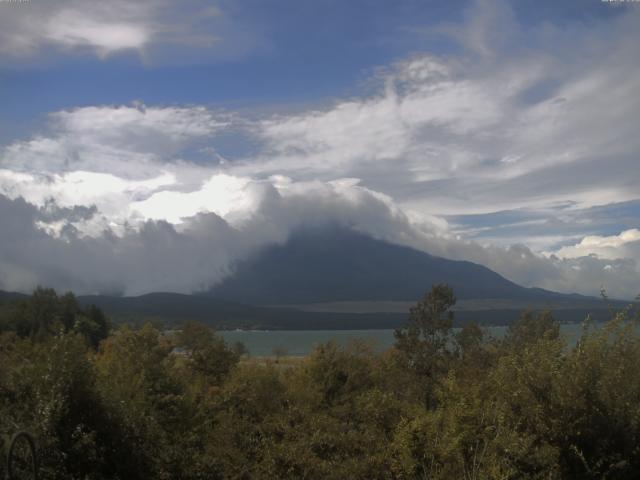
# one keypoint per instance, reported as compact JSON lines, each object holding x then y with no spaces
{"x":300,"y":342}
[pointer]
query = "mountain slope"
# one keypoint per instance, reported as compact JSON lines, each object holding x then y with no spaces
{"x":339,"y":264}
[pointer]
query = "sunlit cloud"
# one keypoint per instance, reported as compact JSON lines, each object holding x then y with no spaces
{"x":624,"y":245}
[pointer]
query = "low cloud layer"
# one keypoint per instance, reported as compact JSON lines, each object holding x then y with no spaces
{"x":187,"y":257}
{"x":199,"y":250}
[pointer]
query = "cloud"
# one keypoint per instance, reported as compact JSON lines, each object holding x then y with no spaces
{"x":624,"y":245}
{"x":130,"y":141}
{"x":477,"y":32}
{"x":108,"y":195}
{"x":155,"y":30}
{"x":149,"y":258}
{"x":160,"y":256}
{"x":114,"y":158}
{"x":73,"y":29}
{"x":531,"y":119}
{"x":221,"y":194}
{"x":585,"y":273}
{"x":105,"y":28}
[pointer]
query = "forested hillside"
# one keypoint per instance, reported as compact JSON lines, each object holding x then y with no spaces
{"x":140,"y":403}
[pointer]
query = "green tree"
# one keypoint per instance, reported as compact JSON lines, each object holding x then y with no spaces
{"x":425,"y":342}
{"x":208,"y":353}
{"x":39,"y":314}
{"x":136,"y":378}
{"x":530,"y":328}
{"x":45,"y":314}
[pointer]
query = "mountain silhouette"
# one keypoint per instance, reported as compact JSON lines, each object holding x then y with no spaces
{"x":339,"y":264}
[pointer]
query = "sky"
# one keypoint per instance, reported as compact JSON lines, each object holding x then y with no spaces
{"x":148,"y":145}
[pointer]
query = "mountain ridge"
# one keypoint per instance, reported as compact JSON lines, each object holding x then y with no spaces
{"x":317,"y":266}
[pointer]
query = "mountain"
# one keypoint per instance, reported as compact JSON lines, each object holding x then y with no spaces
{"x":11,"y":296}
{"x":331,"y":265}
{"x":341,"y":279}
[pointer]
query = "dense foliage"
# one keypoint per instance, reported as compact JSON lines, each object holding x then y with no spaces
{"x":139,"y":403}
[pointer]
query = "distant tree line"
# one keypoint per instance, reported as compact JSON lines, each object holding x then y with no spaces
{"x":138,"y":403}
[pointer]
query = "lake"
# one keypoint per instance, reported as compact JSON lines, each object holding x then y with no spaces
{"x":261,"y":343}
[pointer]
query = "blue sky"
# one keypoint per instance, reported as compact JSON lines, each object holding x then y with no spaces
{"x":308,"y":51}
{"x":498,"y":132}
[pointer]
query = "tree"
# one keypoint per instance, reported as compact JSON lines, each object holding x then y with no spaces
{"x":41,"y":312}
{"x":67,"y":310}
{"x":240,"y":349}
{"x":209,"y":354}
{"x":92,"y":325}
{"x":530,"y":328}
{"x":425,"y":341}
{"x":133,"y":378}
{"x":469,"y":339}
{"x":45,"y":314}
